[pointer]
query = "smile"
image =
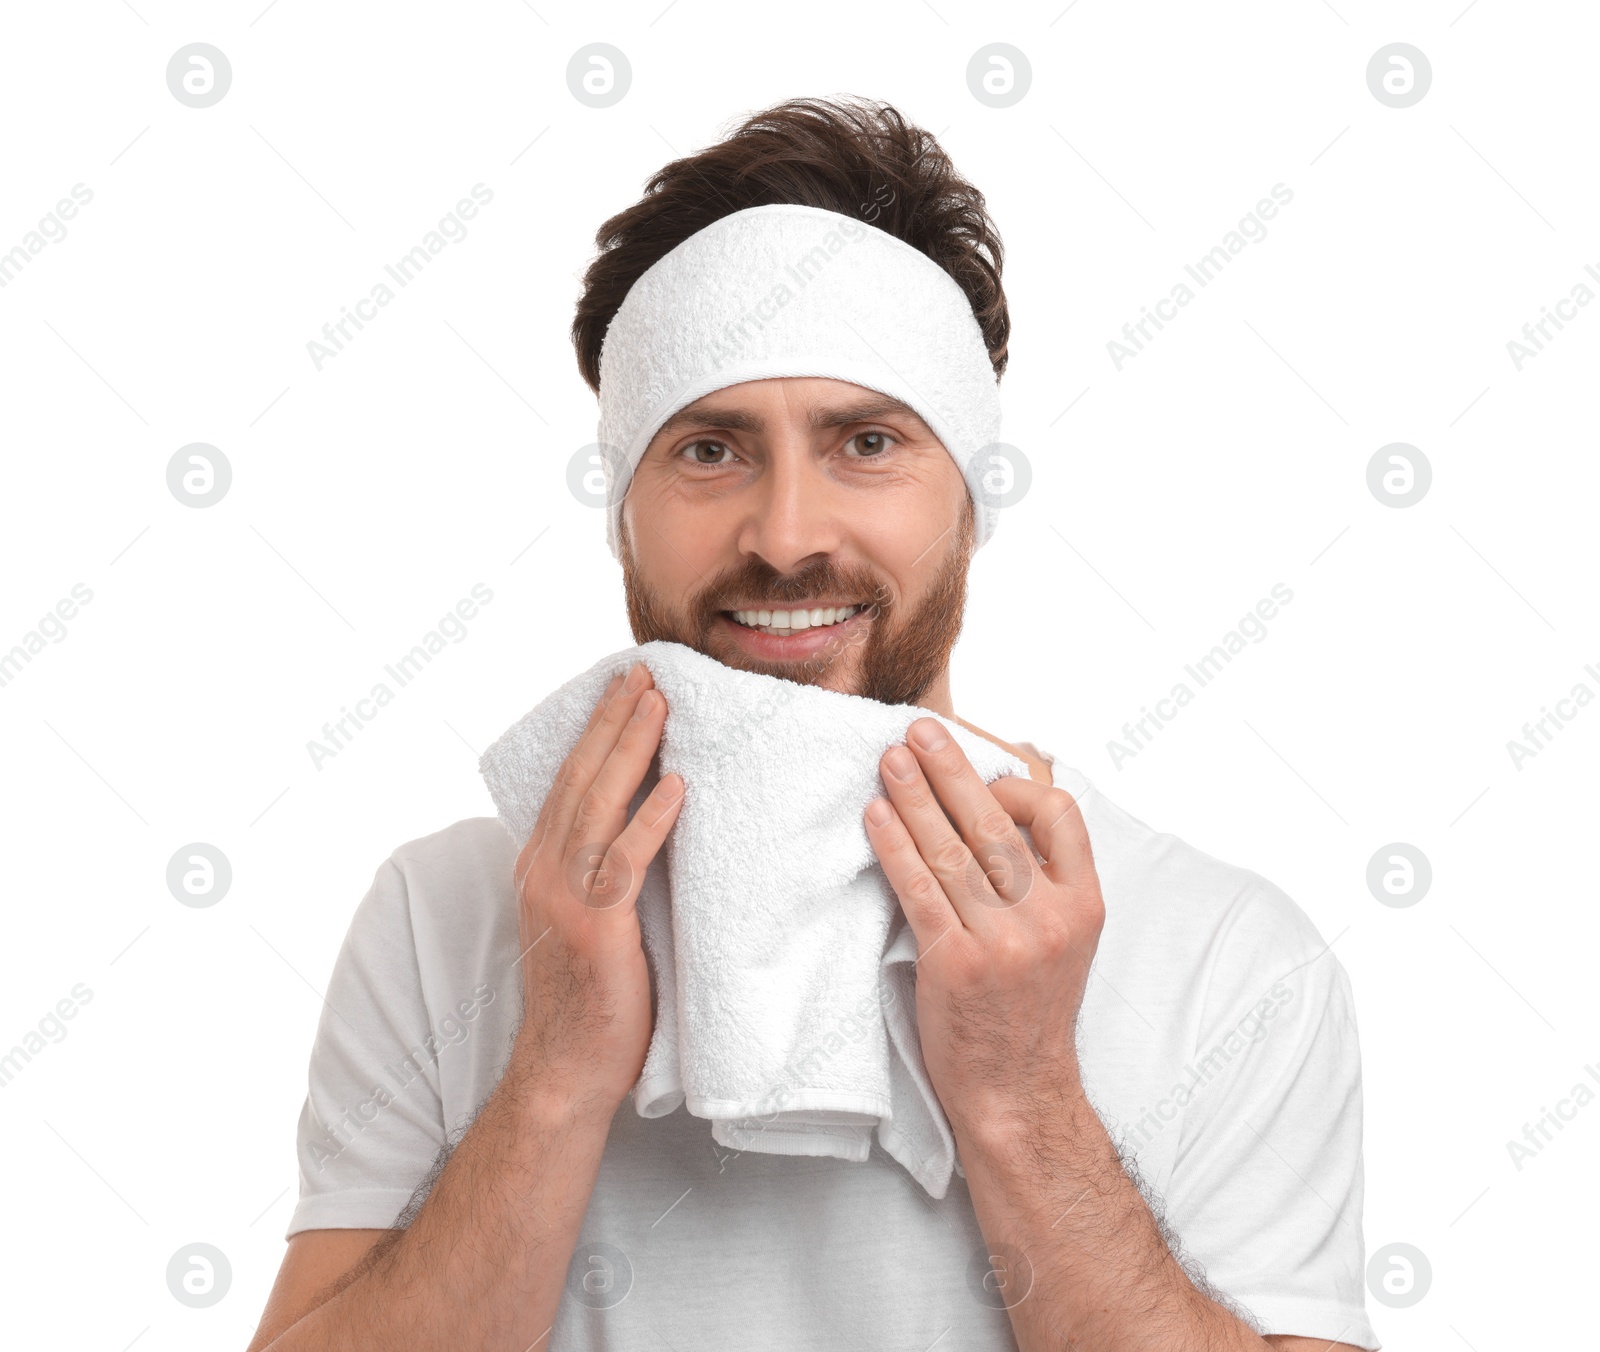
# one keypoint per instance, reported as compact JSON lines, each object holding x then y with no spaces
{"x":782,"y":623}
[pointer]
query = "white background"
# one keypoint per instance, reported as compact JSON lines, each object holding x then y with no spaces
{"x":1168,"y":498}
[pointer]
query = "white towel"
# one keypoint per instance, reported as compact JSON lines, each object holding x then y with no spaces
{"x":785,"y":1000}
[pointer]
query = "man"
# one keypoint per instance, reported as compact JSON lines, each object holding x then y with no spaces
{"x":1147,"y":1057}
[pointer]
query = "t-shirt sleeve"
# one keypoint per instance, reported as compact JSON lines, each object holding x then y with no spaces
{"x":373,"y":1121}
{"x":1266,"y":1187}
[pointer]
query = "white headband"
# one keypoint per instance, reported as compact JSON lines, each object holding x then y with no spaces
{"x":787,"y":290}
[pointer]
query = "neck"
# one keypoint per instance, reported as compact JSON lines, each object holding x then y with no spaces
{"x":937,"y":697}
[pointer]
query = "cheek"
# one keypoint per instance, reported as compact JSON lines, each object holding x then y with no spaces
{"x":683,"y":529}
{"x":899,"y":516}
{"x":668,"y":555}
{"x":668,"y":543}
{"x":905,"y":553}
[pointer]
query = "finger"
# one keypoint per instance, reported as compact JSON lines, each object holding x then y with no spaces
{"x":618,"y":870}
{"x":943,"y":851}
{"x":548,"y":808}
{"x":581,"y":766}
{"x":922,"y":898}
{"x":536,"y":836}
{"x":600,"y":704}
{"x":1055,"y":821}
{"x":982,"y":821}
{"x":603,"y":810}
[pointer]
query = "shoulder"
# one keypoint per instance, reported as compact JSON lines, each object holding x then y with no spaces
{"x":1200,"y":958}
{"x":473,"y":850}
{"x":1165,"y":896}
{"x":444,"y":896}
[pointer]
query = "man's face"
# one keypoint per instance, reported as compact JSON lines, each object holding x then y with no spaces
{"x":801,"y":494}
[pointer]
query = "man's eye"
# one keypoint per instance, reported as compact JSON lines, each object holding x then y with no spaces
{"x":869,"y":444}
{"x":706,"y":452}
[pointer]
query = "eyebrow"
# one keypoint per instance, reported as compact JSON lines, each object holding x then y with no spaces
{"x":819,"y":419}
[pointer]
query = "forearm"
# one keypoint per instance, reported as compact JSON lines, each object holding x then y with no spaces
{"x":1051,"y":1195}
{"x":484,"y":1262}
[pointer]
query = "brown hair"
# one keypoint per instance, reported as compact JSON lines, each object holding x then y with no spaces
{"x":854,"y":156}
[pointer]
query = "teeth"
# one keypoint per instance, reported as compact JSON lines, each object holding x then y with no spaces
{"x":794,"y":621}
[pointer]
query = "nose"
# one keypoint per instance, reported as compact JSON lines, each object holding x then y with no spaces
{"x":793,"y":515}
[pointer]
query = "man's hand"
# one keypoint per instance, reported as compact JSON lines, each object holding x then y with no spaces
{"x":1004,"y":946}
{"x":587,"y":1018}
{"x":483,"y":1263}
{"x":1004,"y":942}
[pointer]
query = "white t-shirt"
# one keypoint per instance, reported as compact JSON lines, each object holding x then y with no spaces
{"x":1217,"y":1041}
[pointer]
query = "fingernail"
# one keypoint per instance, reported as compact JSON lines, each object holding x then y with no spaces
{"x":635,"y":678}
{"x":902,"y":764}
{"x":930,"y":736}
{"x":646,"y":705}
{"x":878,"y":812}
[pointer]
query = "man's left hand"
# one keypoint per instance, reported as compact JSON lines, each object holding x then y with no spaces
{"x":1004,"y":941}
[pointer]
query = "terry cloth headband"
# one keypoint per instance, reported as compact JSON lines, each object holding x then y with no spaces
{"x":787,"y":290}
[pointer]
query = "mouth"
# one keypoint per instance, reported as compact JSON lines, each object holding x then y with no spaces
{"x":798,"y":633}
{"x":794,"y":620}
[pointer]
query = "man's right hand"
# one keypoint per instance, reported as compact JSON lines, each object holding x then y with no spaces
{"x":587,"y":1018}
{"x":484,"y":1261}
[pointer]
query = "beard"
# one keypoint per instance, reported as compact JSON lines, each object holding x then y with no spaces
{"x":903,"y":650}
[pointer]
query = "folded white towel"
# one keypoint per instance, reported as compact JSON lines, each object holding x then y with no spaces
{"x":783,"y":966}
